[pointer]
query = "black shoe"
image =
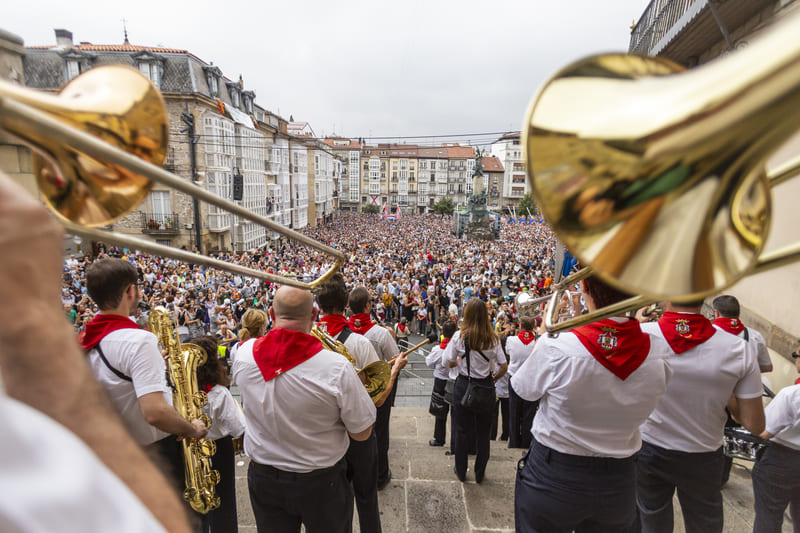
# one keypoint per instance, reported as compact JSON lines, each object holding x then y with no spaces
{"x":460,"y":478}
{"x":382,"y":484}
{"x":434,"y":442}
{"x":479,"y":477}
{"x":448,"y":453}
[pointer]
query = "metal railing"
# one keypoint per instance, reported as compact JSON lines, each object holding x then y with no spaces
{"x":159,"y":222}
{"x":658,"y":19}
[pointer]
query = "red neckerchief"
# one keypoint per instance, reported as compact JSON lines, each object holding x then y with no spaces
{"x":444,"y":342}
{"x":401,"y":327}
{"x":797,"y":381}
{"x":334,"y":324}
{"x":207,"y":387}
{"x":526,"y":337}
{"x":621,"y":347}
{"x":360,"y":323}
{"x":100,"y":326}
{"x":731,"y":325}
{"x":684,"y":331}
{"x":281,"y":350}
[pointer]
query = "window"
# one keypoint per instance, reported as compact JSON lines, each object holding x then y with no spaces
{"x":374,"y":188}
{"x":213,"y":75}
{"x":161,"y":204}
{"x":73,"y":69}
{"x":152,"y":71}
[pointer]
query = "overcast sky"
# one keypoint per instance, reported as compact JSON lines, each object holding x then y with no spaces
{"x":362,"y":69}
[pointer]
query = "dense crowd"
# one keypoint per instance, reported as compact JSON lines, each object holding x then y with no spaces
{"x":418,"y":274}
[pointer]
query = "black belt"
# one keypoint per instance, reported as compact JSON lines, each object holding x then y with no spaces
{"x":566,"y":459}
{"x":285,"y":474}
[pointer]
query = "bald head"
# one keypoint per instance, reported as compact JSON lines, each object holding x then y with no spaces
{"x":293,"y":309}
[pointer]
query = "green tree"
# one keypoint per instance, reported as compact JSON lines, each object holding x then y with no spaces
{"x":371,"y":209}
{"x":525,"y":204}
{"x":444,"y":206}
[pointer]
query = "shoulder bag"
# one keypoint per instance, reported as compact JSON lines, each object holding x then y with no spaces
{"x":479,"y":396}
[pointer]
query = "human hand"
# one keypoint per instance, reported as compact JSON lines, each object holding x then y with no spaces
{"x":199,"y":429}
{"x":399,"y":362}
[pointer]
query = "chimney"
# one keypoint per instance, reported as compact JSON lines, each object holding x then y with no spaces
{"x":64,"y":38}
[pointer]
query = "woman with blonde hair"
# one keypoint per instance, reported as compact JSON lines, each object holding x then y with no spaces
{"x":254,"y":325}
{"x":474,"y":349}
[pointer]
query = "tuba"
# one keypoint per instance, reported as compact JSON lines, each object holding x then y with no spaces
{"x":182,"y":362}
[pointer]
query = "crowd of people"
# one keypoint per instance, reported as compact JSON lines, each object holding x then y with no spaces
{"x":610,"y":412}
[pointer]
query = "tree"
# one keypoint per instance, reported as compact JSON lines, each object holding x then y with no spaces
{"x":444,"y":206}
{"x":371,"y":209}
{"x":525,"y":204}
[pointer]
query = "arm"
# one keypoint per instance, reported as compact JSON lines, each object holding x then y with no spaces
{"x":501,"y":370}
{"x":397,"y":365}
{"x":749,"y":412}
{"x":157,"y":412}
{"x":62,"y":387}
{"x":361,"y":436}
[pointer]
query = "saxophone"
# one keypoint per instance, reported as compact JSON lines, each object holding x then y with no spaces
{"x":182,"y":362}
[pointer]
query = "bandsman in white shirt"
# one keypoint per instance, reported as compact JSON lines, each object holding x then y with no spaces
{"x":682,"y":438}
{"x":595,"y":384}
{"x":520,"y":411}
{"x":776,"y":474}
{"x":302,"y":405}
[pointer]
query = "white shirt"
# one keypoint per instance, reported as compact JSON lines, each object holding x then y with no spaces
{"x":52,"y":481}
{"x":434,"y":361}
{"x":360,"y":349}
{"x":135,"y":353}
{"x":227,"y":418}
{"x":755,"y":343}
{"x":299,"y":421}
{"x":783,"y":417}
{"x":518,"y":352}
{"x":382,"y":341}
{"x":501,"y":386}
{"x":585,"y":409}
{"x":478,"y":366}
{"x":691,"y":417}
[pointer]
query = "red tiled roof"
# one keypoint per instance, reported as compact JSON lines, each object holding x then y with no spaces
{"x":460,"y":152}
{"x":492,"y":164}
{"x":125,"y":47}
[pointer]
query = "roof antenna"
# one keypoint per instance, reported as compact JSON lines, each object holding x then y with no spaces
{"x":125,"y":29}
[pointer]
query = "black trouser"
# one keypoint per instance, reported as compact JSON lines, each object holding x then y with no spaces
{"x":500,"y":405}
{"x":696,"y":476}
{"x":520,"y":413}
{"x":440,"y":426}
{"x":557,"y":492}
{"x":728,"y":461}
{"x":465,"y":421}
{"x":322,"y":500}
{"x":776,"y":485}
{"x":224,"y":518}
{"x":382,"y":435}
{"x":362,"y":471}
{"x":167,"y":454}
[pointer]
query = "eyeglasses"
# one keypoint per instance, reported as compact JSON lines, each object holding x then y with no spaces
{"x":795,"y":355}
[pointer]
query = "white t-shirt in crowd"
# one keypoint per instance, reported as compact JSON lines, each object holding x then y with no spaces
{"x":691,"y":417}
{"x":478,"y":366}
{"x":52,"y":481}
{"x":227,"y":418}
{"x":518,"y":352}
{"x":585,"y":409}
{"x":783,"y":417}
{"x":135,"y":353}
{"x":299,"y":421}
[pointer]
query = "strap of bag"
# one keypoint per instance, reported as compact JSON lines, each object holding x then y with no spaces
{"x":746,"y":335}
{"x":344,"y":334}
{"x":466,"y":356}
{"x":116,"y":372}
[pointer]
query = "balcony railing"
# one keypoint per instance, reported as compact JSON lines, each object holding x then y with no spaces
{"x":159,"y":223}
{"x":658,"y":19}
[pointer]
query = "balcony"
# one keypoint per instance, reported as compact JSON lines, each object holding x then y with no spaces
{"x":683,"y":30}
{"x":159,"y":223}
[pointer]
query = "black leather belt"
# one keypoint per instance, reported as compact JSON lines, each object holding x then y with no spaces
{"x":277,"y":473}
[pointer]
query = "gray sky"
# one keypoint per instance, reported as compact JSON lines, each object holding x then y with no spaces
{"x":362,"y":69}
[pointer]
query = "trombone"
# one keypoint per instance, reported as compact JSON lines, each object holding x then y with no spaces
{"x":97,"y":146}
{"x":655,"y":177}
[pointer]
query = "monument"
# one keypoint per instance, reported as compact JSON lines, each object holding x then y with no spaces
{"x":481,"y":225}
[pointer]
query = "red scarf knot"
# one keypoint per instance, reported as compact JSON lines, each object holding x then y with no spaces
{"x":526,"y":337}
{"x":621,"y":347}
{"x":281,"y":350}
{"x":207,"y":387}
{"x":334,"y":324}
{"x":444,"y":342}
{"x":733,"y":326}
{"x":100,"y":326}
{"x":360,"y":323}
{"x":684,"y":331}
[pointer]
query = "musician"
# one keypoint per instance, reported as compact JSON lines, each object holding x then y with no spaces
{"x":595,"y":384}
{"x":58,"y":424}
{"x":682,"y":438}
{"x":300,"y":402}
{"x":520,"y":411}
{"x":227,"y":423}
{"x":441,"y":373}
{"x":126,"y":361}
{"x":485,"y":349}
{"x":384,"y":344}
{"x":362,"y":456}
{"x":776,"y":473}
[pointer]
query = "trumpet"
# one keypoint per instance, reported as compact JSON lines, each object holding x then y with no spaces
{"x":655,"y":178}
{"x":97,"y":149}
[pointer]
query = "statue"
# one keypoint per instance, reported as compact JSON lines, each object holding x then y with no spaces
{"x":480,"y":226}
